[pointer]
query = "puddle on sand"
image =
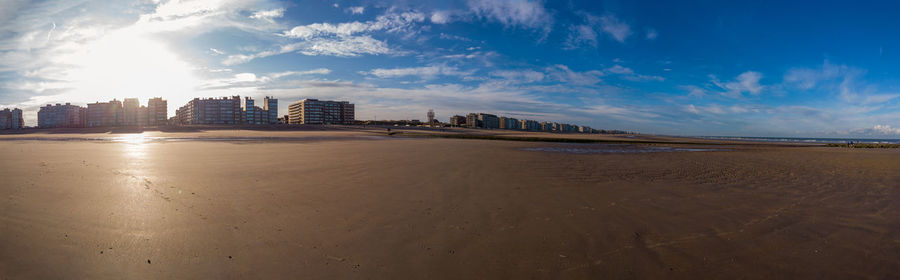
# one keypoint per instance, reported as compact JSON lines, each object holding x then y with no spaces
{"x":141,"y":139}
{"x":616,"y":149}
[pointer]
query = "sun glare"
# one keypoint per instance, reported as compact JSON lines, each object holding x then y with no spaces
{"x":128,"y":63}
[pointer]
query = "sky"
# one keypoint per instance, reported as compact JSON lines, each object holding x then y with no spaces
{"x":726,"y":68}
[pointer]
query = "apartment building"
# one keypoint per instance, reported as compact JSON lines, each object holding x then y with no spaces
{"x":249,"y":115}
{"x":314,"y":111}
{"x":58,"y":115}
{"x":105,"y":114}
{"x":472,"y":121}
{"x":225,"y":110}
{"x":530,"y":125}
{"x":130,"y":109}
{"x":157,"y":112}
{"x":489,"y":120}
{"x":509,"y":123}
{"x":457,"y":120}
{"x":270,"y":107}
{"x":11,"y":119}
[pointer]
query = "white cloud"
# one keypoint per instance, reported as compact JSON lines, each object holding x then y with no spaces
{"x":319,"y":71}
{"x":514,"y":13}
{"x":388,"y":22}
{"x":691,"y":108}
{"x":845,"y":82}
{"x":582,"y":34}
{"x":357,"y":10}
{"x":454,"y":37}
{"x":440,"y":17}
{"x":618,"y":69}
{"x":425,"y":72}
{"x":694,"y":91}
{"x":346,"y":47}
{"x":245,"y":77}
{"x":745,"y":82}
{"x":347,"y":39}
{"x":885,"y":129}
{"x":563,"y":74}
{"x":629,"y":74}
{"x":519,"y":76}
{"x":587,"y":33}
{"x":216,"y":51}
{"x":253,"y":81}
{"x":807,"y":78}
{"x":652,"y":34}
{"x":617,"y":29}
{"x":269,"y":14}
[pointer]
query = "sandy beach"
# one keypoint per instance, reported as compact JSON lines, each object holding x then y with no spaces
{"x":358,"y":205}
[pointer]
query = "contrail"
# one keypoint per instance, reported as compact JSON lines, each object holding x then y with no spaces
{"x":51,"y":31}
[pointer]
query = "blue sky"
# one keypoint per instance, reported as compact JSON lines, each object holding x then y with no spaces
{"x":761,"y":68}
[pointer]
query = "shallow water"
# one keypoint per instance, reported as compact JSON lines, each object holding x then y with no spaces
{"x":138,"y":138}
{"x":616,"y":149}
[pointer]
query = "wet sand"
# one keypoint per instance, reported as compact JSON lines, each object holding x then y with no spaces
{"x":344,"y":205}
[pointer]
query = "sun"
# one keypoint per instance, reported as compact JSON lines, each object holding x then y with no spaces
{"x":128,"y":63}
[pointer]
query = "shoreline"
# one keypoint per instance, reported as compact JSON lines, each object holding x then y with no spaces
{"x":288,"y":133}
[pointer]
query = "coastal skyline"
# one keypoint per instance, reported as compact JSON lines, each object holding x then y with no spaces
{"x":707,"y":68}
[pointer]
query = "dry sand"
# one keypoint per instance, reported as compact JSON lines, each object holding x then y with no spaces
{"x":339,"y":205}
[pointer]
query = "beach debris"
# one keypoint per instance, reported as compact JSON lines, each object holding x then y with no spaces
{"x":148,"y":261}
{"x":101,"y":252}
{"x":229,"y":257}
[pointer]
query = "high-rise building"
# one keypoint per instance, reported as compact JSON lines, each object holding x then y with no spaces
{"x":249,"y":115}
{"x":546,"y":126}
{"x":509,"y":123}
{"x":105,"y":114}
{"x":348,"y":112}
{"x":157,"y":111}
{"x":67,"y":115}
{"x":130,"y":108}
{"x":457,"y":120}
{"x":530,"y":125}
{"x":143,"y":116}
{"x":472,"y":121}
{"x":430,"y":116}
{"x":314,"y":111}
{"x":253,"y":114}
{"x":489,"y":120}
{"x":11,"y":119}
{"x":270,"y":106}
{"x":223,"y":110}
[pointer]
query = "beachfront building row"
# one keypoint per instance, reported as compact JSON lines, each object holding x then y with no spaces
{"x":314,"y":111}
{"x":228,"y":110}
{"x":104,"y":114}
{"x":490,"y":121}
{"x":58,"y":115}
{"x":11,"y":119}
{"x":482,"y":120}
{"x":267,"y":114}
